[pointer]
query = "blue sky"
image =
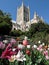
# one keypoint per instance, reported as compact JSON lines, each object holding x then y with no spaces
{"x":40,"y":6}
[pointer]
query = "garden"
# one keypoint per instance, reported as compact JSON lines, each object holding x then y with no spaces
{"x":23,"y":52}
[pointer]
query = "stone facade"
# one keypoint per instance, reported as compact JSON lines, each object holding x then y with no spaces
{"x":23,"y":21}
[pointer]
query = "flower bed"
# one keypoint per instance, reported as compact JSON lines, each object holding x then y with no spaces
{"x":23,"y":53}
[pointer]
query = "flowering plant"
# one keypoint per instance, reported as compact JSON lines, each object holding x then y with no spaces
{"x":24,"y":53}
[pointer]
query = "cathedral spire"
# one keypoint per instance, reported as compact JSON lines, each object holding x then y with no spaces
{"x":28,"y":7}
{"x":22,"y":3}
{"x":35,"y":15}
{"x":42,"y":19}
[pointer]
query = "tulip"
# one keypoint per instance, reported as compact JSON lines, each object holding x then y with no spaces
{"x":21,"y":46}
{"x":2,"y":46}
{"x":26,"y":38}
{"x":39,"y":41}
{"x":5,"y":41}
{"x":45,"y":52}
{"x":48,"y":48}
{"x":43,"y":44}
{"x":47,"y":57}
{"x":35,"y":46}
{"x":27,"y":52}
{"x":40,"y":46}
{"x":13,"y":41}
{"x":28,"y":46}
{"x":25,"y":42}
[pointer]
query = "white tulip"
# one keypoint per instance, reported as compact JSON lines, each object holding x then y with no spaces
{"x":24,"y":59}
{"x":5,"y":41}
{"x":28,"y":46}
{"x":21,"y":46}
{"x":39,"y":41}
{"x":26,"y":38}
{"x":35,"y":46}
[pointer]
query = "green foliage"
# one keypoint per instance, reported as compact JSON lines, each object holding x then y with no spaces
{"x":4,"y":62}
{"x":1,"y":13}
{"x":16,"y":33}
{"x":37,"y":58}
{"x":5,"y":23}
{"x":38,"y":31}
{"x":38,"y":27}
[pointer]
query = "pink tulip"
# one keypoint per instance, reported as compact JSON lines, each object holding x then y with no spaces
{"x":48,"y":48}
{"x":25,"y":42}
{"x":38,"y":49}
{"x":45,"y":53}
{"x":13,"y":41}
{"x":2,"y":46}
{"x":40,"y":46}
{"x":47,"y":57}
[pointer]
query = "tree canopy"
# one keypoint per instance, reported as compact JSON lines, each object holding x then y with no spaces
{"x":5,"y":23}
{"x":38,"y":27}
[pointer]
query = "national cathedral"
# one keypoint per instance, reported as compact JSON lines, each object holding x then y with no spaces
{"x":23,"y":21}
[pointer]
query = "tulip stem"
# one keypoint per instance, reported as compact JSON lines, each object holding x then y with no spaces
{"x":24,"y":62}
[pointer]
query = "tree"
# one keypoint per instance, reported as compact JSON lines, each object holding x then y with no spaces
{"x":16,"y":33}
{"x":38,"y":27}
{"x":5,"y":23}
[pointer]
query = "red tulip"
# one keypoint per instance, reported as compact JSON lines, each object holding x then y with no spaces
{"x":27,"y":52}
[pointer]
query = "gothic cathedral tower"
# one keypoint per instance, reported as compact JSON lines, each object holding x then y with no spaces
{"x":23,"y":14}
